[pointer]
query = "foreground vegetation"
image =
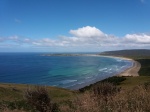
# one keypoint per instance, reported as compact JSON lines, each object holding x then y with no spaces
{"x":15,"y":96}
{"x":108,"y":98}
{"x":102,"y":97}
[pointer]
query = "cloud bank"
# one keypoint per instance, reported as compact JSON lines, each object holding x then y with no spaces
{"x":82,"y":39}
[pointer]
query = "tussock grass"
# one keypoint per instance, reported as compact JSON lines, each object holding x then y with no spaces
{"x":131,"y":82}
{"x":135,"y":100}
{"x":12,"y":92}
{"x":104,"y":97}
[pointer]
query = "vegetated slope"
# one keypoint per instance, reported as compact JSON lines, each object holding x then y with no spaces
{"x":129,"y":53}
{"x":145,"y":67}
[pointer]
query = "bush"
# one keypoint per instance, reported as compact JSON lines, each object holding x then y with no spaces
{"x":105,"y":89}
{"x":40,"y":100}
{"x":114,"y":80}
{"x":106,"y":98}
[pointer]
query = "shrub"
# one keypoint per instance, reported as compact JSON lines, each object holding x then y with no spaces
{"x":134,"y":100}
{"x":105,"y":89}
{"x":40,"y":100}
{"x":114,"y":80}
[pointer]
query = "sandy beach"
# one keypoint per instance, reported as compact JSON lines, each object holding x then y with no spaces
{"x":133,"y":71}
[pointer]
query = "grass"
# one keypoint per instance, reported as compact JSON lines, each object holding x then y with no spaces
{"x":105,"y":97}
{"x":135,"y":100}
{"x":145,"y":67}
{"x":131,"y":82}
{"x":12,"y":96}
{"x":12,"y":92}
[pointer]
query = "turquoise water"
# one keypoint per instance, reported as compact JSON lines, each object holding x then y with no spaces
{"x":72,"y":72}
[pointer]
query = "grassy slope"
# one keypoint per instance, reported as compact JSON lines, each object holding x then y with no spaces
{"x":129,"y":53}
{"x":131,"y":82}
{"x":11,"y":92}
{"x":145,"y":66}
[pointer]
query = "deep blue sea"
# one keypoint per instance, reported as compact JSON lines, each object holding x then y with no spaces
{"x":72,"y":72}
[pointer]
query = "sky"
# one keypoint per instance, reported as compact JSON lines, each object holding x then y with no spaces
{"x":74,"y":25}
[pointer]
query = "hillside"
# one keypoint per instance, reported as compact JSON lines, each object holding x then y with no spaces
{"x":138,"y":53}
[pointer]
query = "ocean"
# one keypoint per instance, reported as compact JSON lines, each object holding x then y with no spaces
{"x":71,"y":72}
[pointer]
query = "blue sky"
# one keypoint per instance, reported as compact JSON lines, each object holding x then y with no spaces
{"x":74,"y":25}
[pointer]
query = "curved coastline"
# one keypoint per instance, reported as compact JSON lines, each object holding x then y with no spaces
{"x":132,"y":71}
{"x":124,"y":72}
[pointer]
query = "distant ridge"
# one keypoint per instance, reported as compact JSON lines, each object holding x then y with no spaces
{"x":129,"y":53}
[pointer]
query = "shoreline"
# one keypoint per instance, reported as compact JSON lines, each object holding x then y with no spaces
{"x":132,"y":71}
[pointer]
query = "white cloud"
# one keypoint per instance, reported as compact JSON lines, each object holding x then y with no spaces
{"x":83,"y":39}
{"x":27,"y":40}
{"x":138,"y":38}
{"x":13,"y":38}
{"x":87,"y":31}
{"x":36,"y":43}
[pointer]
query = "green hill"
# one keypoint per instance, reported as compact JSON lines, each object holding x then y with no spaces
{"x":135,"y":53}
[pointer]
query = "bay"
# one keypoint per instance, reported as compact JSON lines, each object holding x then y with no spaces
{"x":71,"y":72}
